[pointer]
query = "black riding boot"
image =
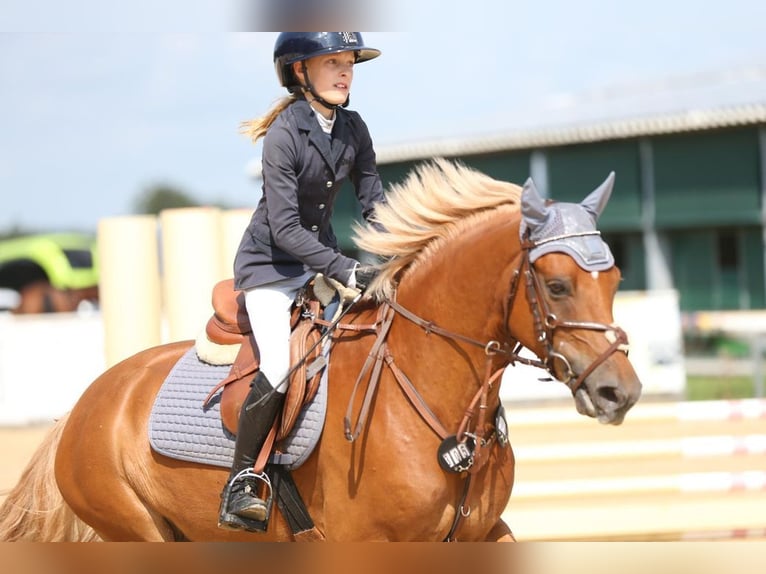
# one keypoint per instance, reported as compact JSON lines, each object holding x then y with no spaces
{"x":240,"y":495}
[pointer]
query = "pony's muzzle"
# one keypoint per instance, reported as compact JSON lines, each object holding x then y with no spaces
{"x":611,"y":401}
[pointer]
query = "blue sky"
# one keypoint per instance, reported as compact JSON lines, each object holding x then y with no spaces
{"x":95,"y":110}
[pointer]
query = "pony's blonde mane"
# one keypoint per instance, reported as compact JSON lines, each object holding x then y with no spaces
{"x":435,"y":202}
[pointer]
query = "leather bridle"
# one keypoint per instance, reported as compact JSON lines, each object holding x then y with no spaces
{"x":546,"y":323}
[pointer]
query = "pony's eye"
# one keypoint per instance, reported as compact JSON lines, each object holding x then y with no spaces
{"x":558,"y":288}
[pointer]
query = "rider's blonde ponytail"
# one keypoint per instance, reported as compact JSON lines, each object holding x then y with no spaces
{"x":256,"y":129}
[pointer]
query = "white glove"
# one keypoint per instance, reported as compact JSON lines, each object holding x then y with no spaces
{"x":351,"y":283}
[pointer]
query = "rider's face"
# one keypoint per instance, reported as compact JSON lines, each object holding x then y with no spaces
{"x":331,"y":75}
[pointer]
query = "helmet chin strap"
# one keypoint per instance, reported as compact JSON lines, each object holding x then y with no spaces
{"x":310,"y":87}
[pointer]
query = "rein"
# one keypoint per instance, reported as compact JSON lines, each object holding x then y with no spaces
{"x":373,"y":365}
{"x":380,"y":353}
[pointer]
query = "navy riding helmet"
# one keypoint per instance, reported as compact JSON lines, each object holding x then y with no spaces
{"x":292,"y":47}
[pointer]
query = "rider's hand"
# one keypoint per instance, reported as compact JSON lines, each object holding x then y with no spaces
{"x":365,"y":274}
{"x":351,"y":281}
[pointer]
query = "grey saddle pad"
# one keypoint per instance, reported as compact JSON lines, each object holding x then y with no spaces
{"x":180,"y":428}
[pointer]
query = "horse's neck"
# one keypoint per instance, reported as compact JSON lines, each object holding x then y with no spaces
{"x":462,"y":285}
{"x":461,"y":289}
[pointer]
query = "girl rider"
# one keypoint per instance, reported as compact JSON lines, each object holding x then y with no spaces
{"x":311,"y":145}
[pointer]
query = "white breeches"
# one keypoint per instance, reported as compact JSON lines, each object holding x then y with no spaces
{"x":268,"y":308}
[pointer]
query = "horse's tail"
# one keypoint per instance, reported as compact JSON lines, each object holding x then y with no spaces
{"x":34,"y":509}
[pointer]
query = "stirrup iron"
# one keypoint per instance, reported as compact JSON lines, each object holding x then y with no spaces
{"x":230,"y":521}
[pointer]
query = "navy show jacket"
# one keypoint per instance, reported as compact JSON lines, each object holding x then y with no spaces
{"x":290,"y":231}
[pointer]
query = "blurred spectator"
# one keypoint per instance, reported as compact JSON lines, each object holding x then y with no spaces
{"x":48,"y":273}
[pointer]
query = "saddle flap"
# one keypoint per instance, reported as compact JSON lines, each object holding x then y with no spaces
{"x":303,"y":337}
{"x":237,"y":384}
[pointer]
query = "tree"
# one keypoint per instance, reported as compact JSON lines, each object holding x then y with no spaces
{"x":159,"y":197}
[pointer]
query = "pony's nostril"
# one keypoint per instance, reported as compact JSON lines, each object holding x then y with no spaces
{"x":610,"y":394}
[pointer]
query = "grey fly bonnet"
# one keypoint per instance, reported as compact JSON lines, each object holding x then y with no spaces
{"x":567,"y":227}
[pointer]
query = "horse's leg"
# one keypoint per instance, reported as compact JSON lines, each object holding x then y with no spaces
{"x":112,"y":508}
{"x":103,"y":461}
{"x":129,"y":520}
{"x":100,"y":494}
{"x":500,"y":532}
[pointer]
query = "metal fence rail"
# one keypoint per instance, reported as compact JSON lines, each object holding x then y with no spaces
{"x":672,"y":471}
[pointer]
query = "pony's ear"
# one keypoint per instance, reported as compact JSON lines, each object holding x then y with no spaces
{"x":533,"y":208}
{"x":597,"y":200}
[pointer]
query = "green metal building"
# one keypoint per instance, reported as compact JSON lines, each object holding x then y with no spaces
{"x":689,"y":206}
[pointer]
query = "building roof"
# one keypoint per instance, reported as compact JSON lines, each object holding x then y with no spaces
{"x":698,"y":100}
{"x":692,"y":120}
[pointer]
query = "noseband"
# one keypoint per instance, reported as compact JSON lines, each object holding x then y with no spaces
{"x":546,"y":323}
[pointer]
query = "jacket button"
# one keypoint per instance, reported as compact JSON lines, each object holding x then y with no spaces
{"x":321,"y":206}
{"x":329,"y":184}
{"x":314,"y":228}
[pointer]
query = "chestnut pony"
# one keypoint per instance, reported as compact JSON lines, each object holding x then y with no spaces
{"x":475,"y":269}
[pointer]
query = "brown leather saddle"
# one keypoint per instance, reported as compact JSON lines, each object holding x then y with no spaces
{"x":230,"y":325}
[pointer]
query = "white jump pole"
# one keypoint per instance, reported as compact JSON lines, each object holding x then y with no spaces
{"x":129,"y":285}
{"x":191,"y":266}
